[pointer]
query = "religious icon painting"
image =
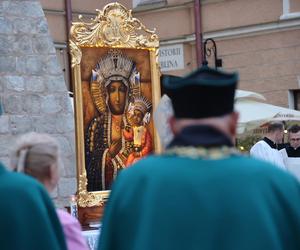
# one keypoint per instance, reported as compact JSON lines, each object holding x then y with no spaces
{"x":116,"y":83}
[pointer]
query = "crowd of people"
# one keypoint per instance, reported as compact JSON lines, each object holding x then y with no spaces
{"x":272,"y":149}
{"x":200,"y":193}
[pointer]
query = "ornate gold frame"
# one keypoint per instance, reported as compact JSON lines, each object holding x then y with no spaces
{"x":113,"y":27}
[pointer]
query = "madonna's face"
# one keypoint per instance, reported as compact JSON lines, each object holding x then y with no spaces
{"x":116,"y":97}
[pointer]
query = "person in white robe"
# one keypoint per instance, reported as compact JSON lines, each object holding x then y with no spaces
{"x":267,"y":148}
{"x":291,"y":153}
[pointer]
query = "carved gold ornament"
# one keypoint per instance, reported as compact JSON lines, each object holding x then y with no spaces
{"x":76,"y":54}
{"x":112,"y":27}
{"x":85,"y":198}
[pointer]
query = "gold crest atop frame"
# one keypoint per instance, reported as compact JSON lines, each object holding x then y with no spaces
{"x":113,"y":27}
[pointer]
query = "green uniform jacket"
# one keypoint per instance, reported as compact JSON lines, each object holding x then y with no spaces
{"x":174,"y":202}
{"x":28,"y":219}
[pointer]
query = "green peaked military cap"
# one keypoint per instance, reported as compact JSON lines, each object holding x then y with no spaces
{"x":204,"y":93}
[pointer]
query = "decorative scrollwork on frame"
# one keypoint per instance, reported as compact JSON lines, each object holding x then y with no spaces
{"x":114,"y":27}
{"x":86,"y":199}
{"x":76,"y":54}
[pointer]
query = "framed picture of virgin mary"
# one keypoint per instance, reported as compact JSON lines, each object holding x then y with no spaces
{"x":116,"y":83}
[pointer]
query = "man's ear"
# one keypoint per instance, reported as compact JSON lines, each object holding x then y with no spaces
{"x":48,"y":172}
{"x":172,"y":123}
{"x":234,"y":117}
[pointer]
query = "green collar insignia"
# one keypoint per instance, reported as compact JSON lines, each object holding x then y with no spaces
{"x":201,"y":152}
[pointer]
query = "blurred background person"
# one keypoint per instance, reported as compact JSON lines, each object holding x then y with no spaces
{"x":27,"y":216}
{"x":267,"y":148}
{"x":38,"y":155}
{"x":28,"y":219}
{"x":293,"y":147}
{"x":291,"y":154}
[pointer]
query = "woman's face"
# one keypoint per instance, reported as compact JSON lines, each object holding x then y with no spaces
{"x":116,"y":97}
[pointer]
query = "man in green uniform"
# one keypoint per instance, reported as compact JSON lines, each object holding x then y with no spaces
{"x":28,"y":219}
{"x":200,"y":193}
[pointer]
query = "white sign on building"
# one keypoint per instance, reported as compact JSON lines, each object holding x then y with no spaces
{"x":171,"y":57}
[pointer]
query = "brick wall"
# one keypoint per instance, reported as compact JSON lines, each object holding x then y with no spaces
{"x":267,"y":63}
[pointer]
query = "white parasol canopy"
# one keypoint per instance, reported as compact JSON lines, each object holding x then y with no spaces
{"x":254,"y":113}
{"x":248,"y":95}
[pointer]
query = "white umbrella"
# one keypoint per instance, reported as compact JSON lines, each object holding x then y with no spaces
{"x":249,"y":95}
{"x":255,"y":113}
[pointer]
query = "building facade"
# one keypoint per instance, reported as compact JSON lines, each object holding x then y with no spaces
{"x":260,"y":39}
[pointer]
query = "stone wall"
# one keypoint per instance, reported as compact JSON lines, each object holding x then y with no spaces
{"x":32,"y":88}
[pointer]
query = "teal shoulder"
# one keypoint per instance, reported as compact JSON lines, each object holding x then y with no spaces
{"x":15,"y":180}
{"x":169,"y":161}
{"x":26,"y":201}
{"x":241,"y":165}
{"x":15,"y":185}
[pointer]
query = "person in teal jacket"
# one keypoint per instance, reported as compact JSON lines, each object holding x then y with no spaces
{"x":201,"y":193}
{"x":28,"y":219}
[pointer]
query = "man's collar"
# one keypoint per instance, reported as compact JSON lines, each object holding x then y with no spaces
{"x":201,"y":135}
{"x":292,"y":152}
{"x":270,"y":143}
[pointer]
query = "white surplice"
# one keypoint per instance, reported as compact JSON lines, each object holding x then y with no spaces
{"x":292,"y":163}
{"x":262,"y":150}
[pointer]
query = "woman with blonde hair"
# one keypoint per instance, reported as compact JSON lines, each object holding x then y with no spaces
{"x":38,"y":155}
